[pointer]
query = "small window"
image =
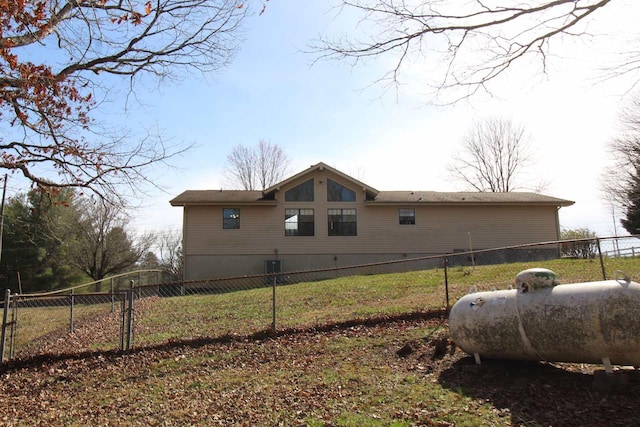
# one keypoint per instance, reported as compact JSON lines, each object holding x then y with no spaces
{"x":407,"y":216}
{"x":298,"y":222}
{"x":342,"y":222}
{"x":300,"y":193}
{"x":339,"y":193}
{"x":230,"y":218}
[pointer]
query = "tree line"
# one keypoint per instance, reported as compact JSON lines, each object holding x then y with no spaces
{"x":59,"y":239}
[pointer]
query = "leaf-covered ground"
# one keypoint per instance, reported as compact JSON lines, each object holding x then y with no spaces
{"x":387,"y":371}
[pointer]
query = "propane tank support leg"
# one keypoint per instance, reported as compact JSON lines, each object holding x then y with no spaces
{"x":476,"y":356}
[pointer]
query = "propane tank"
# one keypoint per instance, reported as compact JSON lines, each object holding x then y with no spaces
{"x":542,"y":320}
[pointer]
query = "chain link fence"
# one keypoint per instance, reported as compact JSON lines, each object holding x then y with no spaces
{"x":113,"y":314}
{"x":64,"y":321}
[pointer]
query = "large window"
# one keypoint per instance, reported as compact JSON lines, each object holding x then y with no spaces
{"x":407,"y":216}
{"x":300,"y":193}
{"x":339,"y":193}
{"x":342,"y":222}
{"x":230,"y":218}
{"x":298,"y":222}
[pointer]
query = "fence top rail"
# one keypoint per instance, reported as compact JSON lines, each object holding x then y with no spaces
{"x":117,"y":276}
{"x":25,"y":297}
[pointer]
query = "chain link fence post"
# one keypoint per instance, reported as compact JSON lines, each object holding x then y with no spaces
{"x":123,"y":317}
{"x":273,"y":322}
{"x":71,"y":301}
{"x":446,"y":281}
{"x":158,"y":282}
{"x":5,"y":318}
{"x":131,"y":298}
{"x":604,"y":273}
{"x":14,"y":327}
{"x":112,"y":296}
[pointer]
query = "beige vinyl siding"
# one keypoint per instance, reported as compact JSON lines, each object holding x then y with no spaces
{"x":444,"y":223}
{"x":438,"y":229}
{"x":441,"y":229}
{"x":262,"y":227}
{"x":259,"y":226}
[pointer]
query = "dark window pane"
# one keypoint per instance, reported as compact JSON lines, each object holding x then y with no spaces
{"x":342,"y":229}
{"x":339,"y":193}
{"x":305,"y":229}
{"x":298,"y":222}
{"x":230,"y":218}
{"x":342,"y":222}
{"x":300,"y":193}
{"x":407,"y":216}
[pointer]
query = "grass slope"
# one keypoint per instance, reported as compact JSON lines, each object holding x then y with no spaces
{"x":362,"y":351}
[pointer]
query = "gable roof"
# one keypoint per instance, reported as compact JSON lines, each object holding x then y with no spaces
{"x":321,"y":167}
{"x":374,"y":197}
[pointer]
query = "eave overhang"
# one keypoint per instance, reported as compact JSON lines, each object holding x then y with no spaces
{"x":433,"y":198}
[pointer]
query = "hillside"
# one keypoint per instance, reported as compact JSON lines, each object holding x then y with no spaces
{"x":390,"y":371}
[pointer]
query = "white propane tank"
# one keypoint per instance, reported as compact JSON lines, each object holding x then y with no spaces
{"x":592,"y":322}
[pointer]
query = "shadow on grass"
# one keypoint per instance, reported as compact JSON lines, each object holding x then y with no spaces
{"x":43,"y":359}
{"x":543,"y":394}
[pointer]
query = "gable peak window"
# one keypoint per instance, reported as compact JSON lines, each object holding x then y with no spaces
{"x":300,"y":193}
{"x":230,"y":218}
{"x":339,"y":193}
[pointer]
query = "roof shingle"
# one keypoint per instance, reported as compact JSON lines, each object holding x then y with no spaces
{"x":436,"y":197}
{"x":267,"y":197}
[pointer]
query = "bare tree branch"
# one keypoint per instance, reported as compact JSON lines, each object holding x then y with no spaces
{"x":493,"y":154}
{"x":256,"y":168}
{"x":618,"y":179}
{"x":55,"y":58}
{"x":101,"y":244}
{"x":474,"y":41}
{"x":169,"y":244}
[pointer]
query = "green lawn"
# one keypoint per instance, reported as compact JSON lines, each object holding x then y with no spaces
{"x":197,"y":360}
{"x":339,"y":300}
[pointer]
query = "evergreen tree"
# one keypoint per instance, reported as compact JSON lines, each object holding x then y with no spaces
{"x":35,"y":242}
{"x":58,"y":239}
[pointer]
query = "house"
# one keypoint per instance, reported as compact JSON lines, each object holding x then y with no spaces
{"x":322,"y":218}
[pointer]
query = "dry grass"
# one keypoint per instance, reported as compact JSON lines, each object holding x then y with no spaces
{"x":360,"y":351}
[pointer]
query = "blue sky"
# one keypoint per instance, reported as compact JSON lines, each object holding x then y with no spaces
{"x":331,"y":112}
